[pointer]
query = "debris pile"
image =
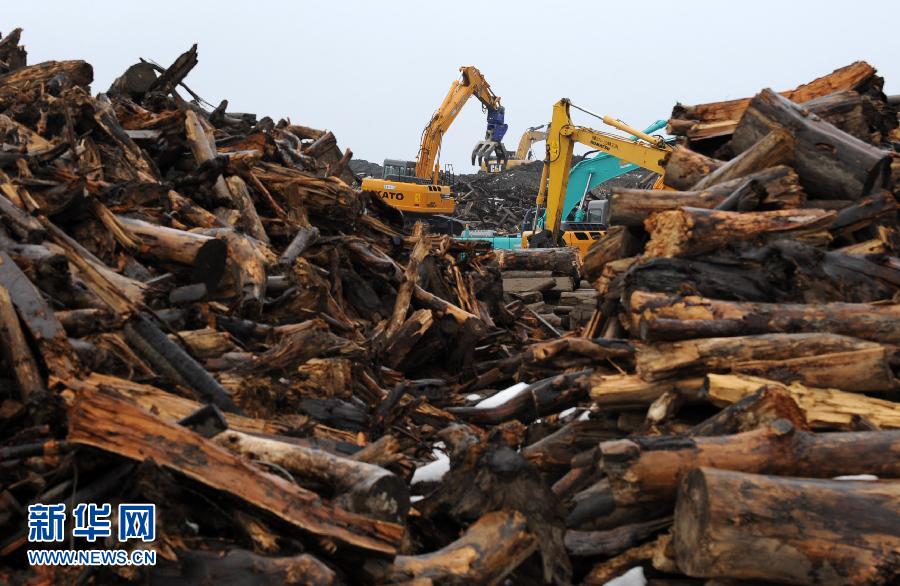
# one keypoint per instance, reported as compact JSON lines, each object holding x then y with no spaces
{"x":197,"y":311}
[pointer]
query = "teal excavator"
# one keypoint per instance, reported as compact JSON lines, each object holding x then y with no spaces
{"x":584,"y":177}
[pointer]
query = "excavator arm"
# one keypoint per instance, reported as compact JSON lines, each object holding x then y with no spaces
{"x":529,"y":137}
{"x":472,"y":82}
{"x":647,"y":152}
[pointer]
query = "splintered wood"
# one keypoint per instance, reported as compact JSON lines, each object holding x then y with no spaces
{"x":199,"y":309}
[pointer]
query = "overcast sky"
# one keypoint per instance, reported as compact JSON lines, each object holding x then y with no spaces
{"x":374,"y":72}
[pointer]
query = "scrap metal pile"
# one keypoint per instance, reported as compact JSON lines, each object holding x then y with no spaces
{"x":198,"y":311}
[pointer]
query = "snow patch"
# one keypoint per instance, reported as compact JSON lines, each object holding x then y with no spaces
{"x":856,"y":477}
{"x":502,"y":397}
{"x":633,"y":577}
{"x":432,"y":471}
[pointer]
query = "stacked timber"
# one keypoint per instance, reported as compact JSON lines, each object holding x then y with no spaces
{"x":197,"y":310}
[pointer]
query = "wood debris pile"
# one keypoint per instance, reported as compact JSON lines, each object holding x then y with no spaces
{"x":197,"y":311}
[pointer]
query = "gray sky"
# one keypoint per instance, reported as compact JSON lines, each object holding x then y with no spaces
{"x":374,"y":72}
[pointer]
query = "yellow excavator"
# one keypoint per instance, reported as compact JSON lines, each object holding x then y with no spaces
{"x":419,"y":187}
{"x":522,"y":155}
{"x":551,"y":224}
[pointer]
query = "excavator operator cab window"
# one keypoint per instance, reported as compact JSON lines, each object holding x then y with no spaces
{"x":398,"y":170}
{"x":597,"y":211}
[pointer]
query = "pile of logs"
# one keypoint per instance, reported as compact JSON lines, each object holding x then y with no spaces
{"x":198,"y":311}
{"x":765,"y":283}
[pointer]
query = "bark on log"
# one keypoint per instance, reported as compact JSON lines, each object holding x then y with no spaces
{"x":772,"y":149}
{"x":617,"y":243}
{"x":661,"y":316}
{"x":881,"y":206}
{"x":562,"y":261}
{"x":40,"y":320}
{"x":369,"y":489}
{"x":27,"y":228}
{"x":684,"y":168}
{"x":720,"y":118}
{"x":205,"y":254}
{"x":168,"y":358}
{"x":647,"y":469}
{"x":115,"y":425}
{"x":16,"y":352}
{"x":626,"y":391}
{"x":823,"y":408}
{"x":65,"y":74}
{"x":692,"y":231}
{"x":305,"y":238}
{"x":488,"y":551}
{"x":791,"y":530}
{"x":831,"y":164}
{"x":823,"y":360}
{"x":632,"y":207}
{"x":612,"y":541}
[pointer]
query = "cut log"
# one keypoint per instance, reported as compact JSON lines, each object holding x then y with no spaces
{"x":831,"y":164}
{"x":775,"y":148}
{"x":488,"y":551}
{"x":16,"y":352}
{"x":19,"y":222}
{"x":632,"y":207}
{"x":823,"y":408}
{"x":561,"y":261}
{"x":824,"y":360}
{"x":660,"y":316}
{"x":169,"y":359}
{"x":617,"y":243}
{"x":115,"y":425}
{"x":720,"y":118}
{"x":648,"y":469}
{"x":39,"y":319}
{"x":760,"y":408}
{"x":205,"y":254}
{"x":613,"y":541}
{"x":243,"y":203}
{"x":692,"y":231}
{"x":626,"y":391}
{"x":881,"y":206}
{"x":410,"y":276}
{"x":787,"y":531}
{"x":555,"y":452}
{"x":369,"y":489}
{"x":684,"y":168}
{"x":305,"y":238}
{"x":65,"y":74}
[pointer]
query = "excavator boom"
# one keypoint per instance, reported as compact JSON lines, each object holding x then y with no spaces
{"x":647,"y":152}
{"x":472,"y":82}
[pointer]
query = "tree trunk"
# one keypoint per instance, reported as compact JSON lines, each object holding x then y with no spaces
{"x":720,"y":118}
{"x":775,"y":148}
{"x":648,"y":469}
{"x":823,"y":408}
{"x":487,"y":552}
{"x":16,"y":352}
{"x":617,"y":243}
{"x":626,"y":391}
{"x":692,"y":231}
{"x":787,"y":531}
{"x":684,"y":168}
{"x":39,"y":319}
{"x":824,"y":360}
{"x":661,"y":316}
{"x":207,"y":255}
{"x":562,"y":261}
{"x":831,"y":164}
{"x":368,"y":489}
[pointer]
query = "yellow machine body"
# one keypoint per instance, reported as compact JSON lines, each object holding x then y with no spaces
{"x":412,"y":198}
